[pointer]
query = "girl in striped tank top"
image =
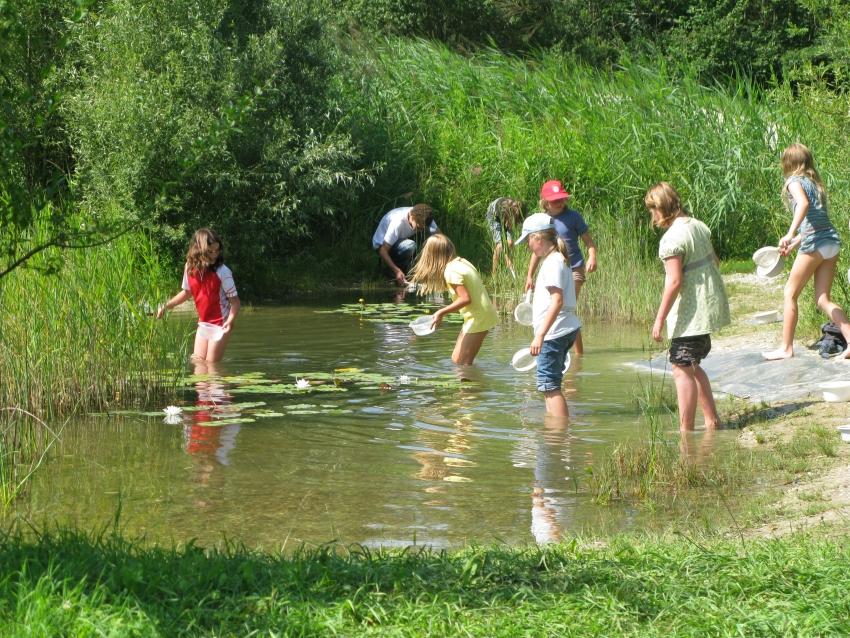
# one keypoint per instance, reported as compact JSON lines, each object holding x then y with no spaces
{"x":813,"y":234}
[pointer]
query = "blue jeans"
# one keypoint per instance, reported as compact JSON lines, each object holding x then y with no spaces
{"x":403,"y":252}
{"x":550,"y":361}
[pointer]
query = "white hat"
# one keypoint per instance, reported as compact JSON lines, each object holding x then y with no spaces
{"x":535,"y":223}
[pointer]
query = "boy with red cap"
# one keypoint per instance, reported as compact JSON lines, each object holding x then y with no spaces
{"x":570,"y":225}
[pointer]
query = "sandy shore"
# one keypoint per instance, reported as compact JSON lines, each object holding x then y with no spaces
{"x":820,"y":495}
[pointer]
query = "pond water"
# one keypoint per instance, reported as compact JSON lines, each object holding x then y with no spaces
{"x":398,"y":450}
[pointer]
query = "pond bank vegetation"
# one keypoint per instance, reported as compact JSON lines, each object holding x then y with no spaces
{"x":63,"y":582}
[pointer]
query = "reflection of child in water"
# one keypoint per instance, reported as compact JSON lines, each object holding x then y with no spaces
{"x":202,"y":436}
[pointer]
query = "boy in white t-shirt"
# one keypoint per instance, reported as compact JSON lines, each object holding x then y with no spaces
{"x":393,"y":237}
{"x":554,"y":309}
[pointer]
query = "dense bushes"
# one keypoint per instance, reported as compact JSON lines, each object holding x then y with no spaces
{"x":208,"y":112}
{"x":719,"y":39}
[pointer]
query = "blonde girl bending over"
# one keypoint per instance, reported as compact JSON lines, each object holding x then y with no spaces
{"x":813,"y":233}
{"x":439,"y":269}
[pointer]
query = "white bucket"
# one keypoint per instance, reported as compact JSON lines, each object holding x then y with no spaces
{"x":834,"y":391}
{"x":210,"y":331}
{"x":769,"y":262}
{"x":845,"y":432}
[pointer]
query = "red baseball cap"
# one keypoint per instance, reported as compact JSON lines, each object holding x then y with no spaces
{"x":552,"y":191}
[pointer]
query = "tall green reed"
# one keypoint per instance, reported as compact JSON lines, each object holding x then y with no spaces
{"x":85,"y":338}
{"x":24,"y":442}
{"x":81,"y":339}
{"x":471,"y":128}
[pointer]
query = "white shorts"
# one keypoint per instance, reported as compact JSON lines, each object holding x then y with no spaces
{"x":828,"y":250}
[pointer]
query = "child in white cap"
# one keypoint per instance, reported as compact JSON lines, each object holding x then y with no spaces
{"x":554,"y":309}
{"x":570,"y":226}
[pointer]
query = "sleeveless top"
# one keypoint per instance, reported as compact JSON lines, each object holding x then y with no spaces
{"x":816,"y":226}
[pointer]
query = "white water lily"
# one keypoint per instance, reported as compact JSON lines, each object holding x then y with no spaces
{"x":302,"y":384}
{"x":404,"y":379}
{"x":172,"y":410}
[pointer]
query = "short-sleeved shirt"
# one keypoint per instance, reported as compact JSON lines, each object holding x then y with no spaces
{"x":495,"y":222}
{"x":702,"y":306}
{"x":395,"y":227}
{"x":816,"y":226}
{"x":480,"y":314}
{"x":554,"y":272}
{"x":570,"y":225}
{"x":211,"y":291}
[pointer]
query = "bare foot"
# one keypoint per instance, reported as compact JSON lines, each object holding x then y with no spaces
{"x":778,"y":354}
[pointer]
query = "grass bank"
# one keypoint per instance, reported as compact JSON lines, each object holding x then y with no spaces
{"x":66,"y":583}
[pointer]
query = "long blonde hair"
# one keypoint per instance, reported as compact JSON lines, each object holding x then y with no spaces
{"x":797,"y":160}
{"x":428,"y":271}
{"x":552,"y":237}
{"x":666,"y":200}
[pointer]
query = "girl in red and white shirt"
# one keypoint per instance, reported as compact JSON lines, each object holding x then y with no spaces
{"x":210,"y":283}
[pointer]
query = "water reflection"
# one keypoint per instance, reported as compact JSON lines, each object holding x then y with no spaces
{"x":436,"y":464}
{"x":208,"y":443}
{"x":696,"y":448}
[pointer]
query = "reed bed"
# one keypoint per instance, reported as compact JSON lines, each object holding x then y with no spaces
{"x":78,"y":340}
{"x":466,"y":129}
{"x":85,"y":338}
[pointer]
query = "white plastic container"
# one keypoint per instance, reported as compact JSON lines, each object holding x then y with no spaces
{"x":523,"y":361}
{"x":834,"y":391}
{"x":421,"y":326}
{"x":210,"y":331}
{"x":845,"y":432}
{"x":769,"y":262}
{"x":767,"y":316}
{"x":524,"y":311}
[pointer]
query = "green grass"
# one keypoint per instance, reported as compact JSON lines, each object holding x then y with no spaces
{"x":65,"y":583}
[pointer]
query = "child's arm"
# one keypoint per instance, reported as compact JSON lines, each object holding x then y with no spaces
{"x":235,"y":305}
{"x":176,"y":300}
{"x":800,"y":210}
{"x":672,"y":285}
{"x":556,"y":300}
{"x":591,"y":252}
{"x":384,"y":252}
{"x":532,"y":266}
{"x":463,"y":300}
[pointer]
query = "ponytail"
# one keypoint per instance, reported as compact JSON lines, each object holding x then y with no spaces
{"x":564,"y":250}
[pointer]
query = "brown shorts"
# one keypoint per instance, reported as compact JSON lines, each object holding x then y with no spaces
{"x":580,"y":273}
{"x":689,"y":351}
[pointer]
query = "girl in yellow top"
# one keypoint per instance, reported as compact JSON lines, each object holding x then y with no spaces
{"x":438,"y":269}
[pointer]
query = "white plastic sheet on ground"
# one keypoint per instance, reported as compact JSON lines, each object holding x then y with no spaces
{"x":745,"y":374}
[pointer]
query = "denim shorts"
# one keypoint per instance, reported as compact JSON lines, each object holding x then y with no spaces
{"x":689,"y":351}
{"x":550,"y":361}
